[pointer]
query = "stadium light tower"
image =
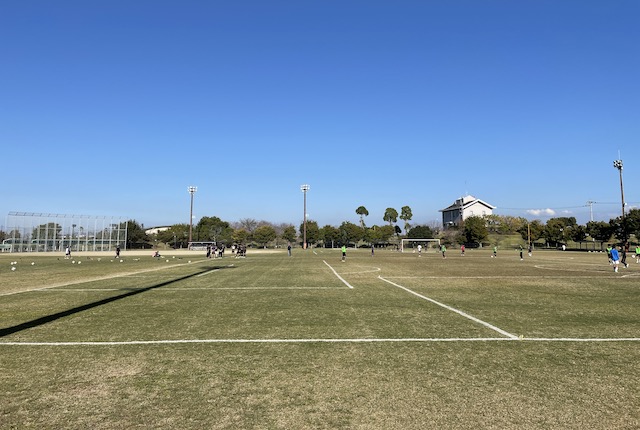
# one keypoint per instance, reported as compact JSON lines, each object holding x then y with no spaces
{"x":618,"y":165}
{"x":192,"y":190}
{"x":304,"y":188}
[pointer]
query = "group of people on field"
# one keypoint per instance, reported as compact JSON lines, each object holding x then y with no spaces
{"x":215,"y":251}
{"x":618,"y":255}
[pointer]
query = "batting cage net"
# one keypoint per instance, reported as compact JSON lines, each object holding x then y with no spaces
{"x":46,"y":232}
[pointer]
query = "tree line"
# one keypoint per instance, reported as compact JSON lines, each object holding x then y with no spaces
{"x":474,"y":229}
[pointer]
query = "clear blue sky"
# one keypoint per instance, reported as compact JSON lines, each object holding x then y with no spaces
{"x":116,"y":107}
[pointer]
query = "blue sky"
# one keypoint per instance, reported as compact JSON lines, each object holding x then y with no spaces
{"x":114,"y":108}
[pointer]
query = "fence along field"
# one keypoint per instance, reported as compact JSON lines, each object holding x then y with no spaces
{"x":273,"y":341}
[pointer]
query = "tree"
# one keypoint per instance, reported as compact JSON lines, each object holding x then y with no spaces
{"x":557,"y":229}
{"x":213,"y":229}
{"x":475,"y":229}
{"x":363,"y":212}
{"x":349,"y":232}
{"x":406,"y":215}
{"x":264,"y":234}
{"x":313,"y":231}
{"x":248,"y":224}
{"x":599,"y":230}
{"x":533,"y":230}
{"x":289,"y":234}
{"x":385,"y":232}
{"x":420,"y":232}
{"x":240,"y":236}
{"x":633,"y":222}
{"x":329,"y":234}
{"x":136,"y":236}
{"x":577,"y":233}
{"x":390,"y":216}
{"x":177,"y":235}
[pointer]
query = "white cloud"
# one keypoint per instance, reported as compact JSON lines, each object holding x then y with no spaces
{"x":541,"y":212}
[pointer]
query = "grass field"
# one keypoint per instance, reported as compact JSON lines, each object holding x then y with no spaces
{"x":393,"y":341}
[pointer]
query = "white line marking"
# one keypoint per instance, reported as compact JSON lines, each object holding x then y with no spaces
{"x":211,"y":271}
{"x":336,"y":273}
{"x":472,"y":318}
{"x":87,"y":280}
{"x":372,"y":270}
{"x":397,"y":340}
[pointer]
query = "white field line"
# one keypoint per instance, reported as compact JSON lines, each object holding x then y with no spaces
{"x":459,"y":312}
{"x":336,"y":273}
{"x":373,"y":270}
{"x":258,"y":341}
{"x":189,"y":289}
{"x":98,"y":278}
{"x":211,"y":271}
{"x":492,"y":277}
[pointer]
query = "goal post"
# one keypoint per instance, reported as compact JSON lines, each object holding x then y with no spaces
{"x":408,"y":241}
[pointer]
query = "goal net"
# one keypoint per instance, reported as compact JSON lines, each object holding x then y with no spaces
{"x":413,"y":243}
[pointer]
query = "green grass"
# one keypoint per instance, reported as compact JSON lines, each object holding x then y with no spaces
{"x":277,"y":342}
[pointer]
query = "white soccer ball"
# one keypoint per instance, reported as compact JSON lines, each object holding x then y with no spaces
{"x":79,"y":262}
{"x":13,"y":268}
{"x":33,"y":263}
{"x":121,"y":261}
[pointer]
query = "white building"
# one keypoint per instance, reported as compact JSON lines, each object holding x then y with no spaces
{"x":463,"y":208}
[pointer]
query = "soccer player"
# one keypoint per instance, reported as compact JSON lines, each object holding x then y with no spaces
{"x":443,"y":249}
{"x":344,"y":253}
{"x":615,"y":258}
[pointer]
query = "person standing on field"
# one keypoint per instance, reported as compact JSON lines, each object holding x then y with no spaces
{"x":443,"y":249}
{"x":638,"y":254}
{"x":495,"y":252}
{"x":615,"y":258}
{"x":625,"y":249}
{"x":344,"y":253}
{"x":462,"y":250}
{"x":289,"y":250}
{"x":419,"y":250}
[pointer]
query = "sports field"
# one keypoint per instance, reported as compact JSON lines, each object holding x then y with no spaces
{"x":393,"y":341}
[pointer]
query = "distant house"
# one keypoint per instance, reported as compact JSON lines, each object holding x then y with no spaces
{"x":463,"y":208}
{"x":156,"y":230}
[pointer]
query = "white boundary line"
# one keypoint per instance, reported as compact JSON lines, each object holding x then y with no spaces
{"x":312,"y":340}
{"x":336,"y":273}
{"x":472,"y":318}
{"x":186,"y":289}
{"x":99,"y":278}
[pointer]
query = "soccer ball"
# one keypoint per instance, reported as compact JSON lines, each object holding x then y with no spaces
{"x":13,"y":268}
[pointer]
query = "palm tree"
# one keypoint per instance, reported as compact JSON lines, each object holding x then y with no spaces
{"x":406,"y":216}
{"x":363,"y":212}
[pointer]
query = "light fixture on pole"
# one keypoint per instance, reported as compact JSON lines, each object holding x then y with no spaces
{"x":304,"y":188}
{"x":618,"y":165}
{"x":192,"y":190}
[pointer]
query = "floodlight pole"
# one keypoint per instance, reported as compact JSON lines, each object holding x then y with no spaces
{"x":304,"y":188}
{"x":192,"y":190}
{"x":618,"y":165}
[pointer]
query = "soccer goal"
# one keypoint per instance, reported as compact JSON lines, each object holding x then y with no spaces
{"x":405,"y":242}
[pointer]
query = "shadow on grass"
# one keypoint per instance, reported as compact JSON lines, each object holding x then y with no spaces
{"x":53,"y":317}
